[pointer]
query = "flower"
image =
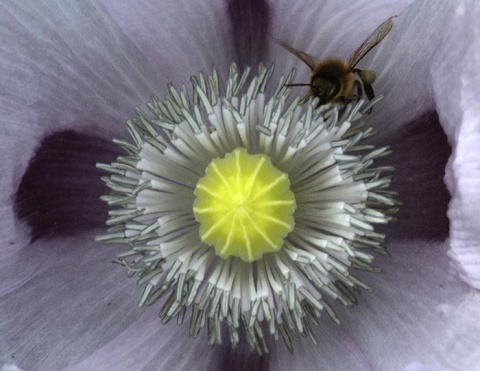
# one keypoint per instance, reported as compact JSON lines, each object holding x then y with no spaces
{"x":73,"y":72}
{"x":245,"y":209}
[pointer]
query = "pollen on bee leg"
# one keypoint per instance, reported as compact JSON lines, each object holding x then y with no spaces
{"x":246,"y":209}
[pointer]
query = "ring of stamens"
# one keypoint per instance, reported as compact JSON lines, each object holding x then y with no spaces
{"x":338,"y":192}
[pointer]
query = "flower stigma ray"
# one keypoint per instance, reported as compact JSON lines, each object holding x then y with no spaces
{"x":339,"y":195}
{"x":244,"y":206}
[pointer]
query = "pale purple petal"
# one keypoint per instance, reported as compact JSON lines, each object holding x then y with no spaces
{"x":408,"y":112}
{"x":406,"y":119}
{"x":419,"y":366}
{"x":75,"y":302}
{"x":444,"y":79}
{"x":420,"y":66}
{"x":180,"y":38}
{"x":326,"y":29}
{"x":148,"y":345}
{"x":336,"y":350}
{"x":64,"y":65}
{"x":10,"y":367}
{"x":420,"y":310}
{"x":456,"y":83}
{"x":71,"y":66}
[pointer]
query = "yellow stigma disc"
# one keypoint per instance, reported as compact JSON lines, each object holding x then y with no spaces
{"x":244,"y":206}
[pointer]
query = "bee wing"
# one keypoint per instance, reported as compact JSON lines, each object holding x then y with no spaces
{"x":377,"y":36}
{"x":304,"y":57}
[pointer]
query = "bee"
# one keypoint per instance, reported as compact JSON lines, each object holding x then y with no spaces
{"x":333,"y":79}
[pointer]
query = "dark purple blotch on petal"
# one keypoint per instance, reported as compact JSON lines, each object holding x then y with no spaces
{"x":420,"y":158}
{"x":242,"y":359}
{"x":250,"y":21}
{"x":59,"y":192}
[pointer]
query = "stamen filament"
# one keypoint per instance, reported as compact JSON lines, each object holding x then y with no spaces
{"x":251,"y":209}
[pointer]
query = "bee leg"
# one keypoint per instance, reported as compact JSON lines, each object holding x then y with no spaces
{"x":370,"y":94}
{"x":369,"y":91}
{"x":350,"y":98}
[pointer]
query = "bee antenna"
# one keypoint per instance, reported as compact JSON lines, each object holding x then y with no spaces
{"x":289,"y":85}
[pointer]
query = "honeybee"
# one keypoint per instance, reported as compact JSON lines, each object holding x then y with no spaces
{"x":333,"y":79}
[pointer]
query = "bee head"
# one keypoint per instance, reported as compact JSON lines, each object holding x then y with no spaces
{"x":324,"y":88}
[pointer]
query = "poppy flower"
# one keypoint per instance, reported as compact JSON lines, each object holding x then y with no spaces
{"x":73,"y":74}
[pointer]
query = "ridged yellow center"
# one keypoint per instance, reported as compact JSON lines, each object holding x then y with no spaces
{"x":244,"y":206}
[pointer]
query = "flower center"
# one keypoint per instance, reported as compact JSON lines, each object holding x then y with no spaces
{"x":286,"y":193}
{"x":244,"y":206}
